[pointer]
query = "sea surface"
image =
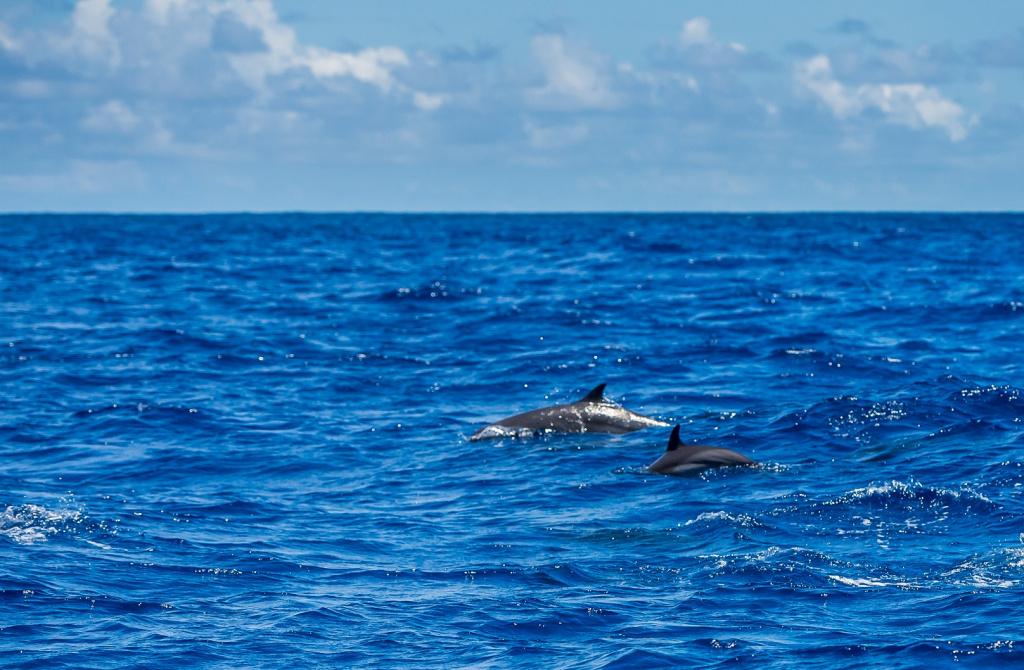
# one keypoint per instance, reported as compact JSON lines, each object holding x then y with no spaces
{"x":240,"y":441}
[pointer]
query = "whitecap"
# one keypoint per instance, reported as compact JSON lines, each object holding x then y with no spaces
{"x":27,"y":524}
{"x":861,"y":583}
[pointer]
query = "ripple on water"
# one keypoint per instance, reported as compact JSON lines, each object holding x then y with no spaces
{"x":239,"y":440}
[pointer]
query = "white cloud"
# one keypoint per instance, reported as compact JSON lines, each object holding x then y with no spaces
{"x":428,"y":102}
{"x":90,"y":33}
{"x":283,"y":53}
{"x":816,"y":75}
{"x":912,"y":105}
{"x":698,"y":48}
{"x":575,"y":77}
{"x":113,"y":117}
{"x":372,"y":66}
{"x":915,"y":104}
{"x":160,"y":10}
{"x":696,"y":32}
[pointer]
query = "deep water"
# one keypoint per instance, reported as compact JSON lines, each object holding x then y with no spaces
{"x":240,"y":441}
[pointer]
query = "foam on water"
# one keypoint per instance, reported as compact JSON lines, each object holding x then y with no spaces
{"x":26,"y":524}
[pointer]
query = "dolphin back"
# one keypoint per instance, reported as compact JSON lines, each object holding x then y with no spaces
{"x":592,"y":414}
{"x":681,"y":458}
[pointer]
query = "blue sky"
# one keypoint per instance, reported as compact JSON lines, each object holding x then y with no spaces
{"x":404,"y":105}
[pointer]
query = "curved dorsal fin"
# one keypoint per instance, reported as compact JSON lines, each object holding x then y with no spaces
{"x":673,"y":440}
{"x":597,"y":395}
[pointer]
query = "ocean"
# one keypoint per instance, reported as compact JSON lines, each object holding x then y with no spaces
{"x":240,"y":441}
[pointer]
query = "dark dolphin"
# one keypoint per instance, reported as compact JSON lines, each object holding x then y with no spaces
{"x":682,"y":458}
{"x":591,"y":414}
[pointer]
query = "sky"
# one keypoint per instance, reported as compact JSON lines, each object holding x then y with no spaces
{"x":562,"y":105}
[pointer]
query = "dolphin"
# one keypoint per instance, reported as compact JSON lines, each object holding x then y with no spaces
{"x":682,"y":458}
{"x":590,"y":414}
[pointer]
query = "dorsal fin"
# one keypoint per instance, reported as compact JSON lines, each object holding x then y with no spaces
{"x":673,"y":440}
{"x":597,"y":395}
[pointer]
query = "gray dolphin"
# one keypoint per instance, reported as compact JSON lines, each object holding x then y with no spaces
{"x":590,"y":414}
{"x":682,"y":458}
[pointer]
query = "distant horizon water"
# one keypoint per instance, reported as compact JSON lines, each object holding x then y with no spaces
{"x":513,"y":212}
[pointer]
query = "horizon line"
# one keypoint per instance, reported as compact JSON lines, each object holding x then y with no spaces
{"x":484,"y":212}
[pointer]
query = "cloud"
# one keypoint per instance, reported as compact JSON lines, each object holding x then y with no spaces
{"x":891,"y":65}
{"x":90,"y":34}
{"x":160,"y":10}
{"x":698,"y":49}
{"x":194,"y":66}
{"x":696,"y":32}
{"x":32,"y":89}
{"x":427,"y":102}
{"x":555,"y":137}
{"x":283,"y":53}
{"x":113,"y":117}
{"x":230,"y":35}
{"x":7,"y":41}
{"x":372,"y":66}
{"x":575,"y":77}
{"x":911,"y":105}
{"x":702,"y":77}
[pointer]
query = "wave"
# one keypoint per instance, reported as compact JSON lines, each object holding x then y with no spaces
{"x":30,"y":523}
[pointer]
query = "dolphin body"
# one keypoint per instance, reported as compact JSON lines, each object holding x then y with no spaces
{"x":590,"y":414}
{"x":680,"y":458}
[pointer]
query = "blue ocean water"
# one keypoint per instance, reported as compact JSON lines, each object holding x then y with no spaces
{"x":240,"y":441}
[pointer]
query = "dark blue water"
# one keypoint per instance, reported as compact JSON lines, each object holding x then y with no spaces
{"x":240,"y":441}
